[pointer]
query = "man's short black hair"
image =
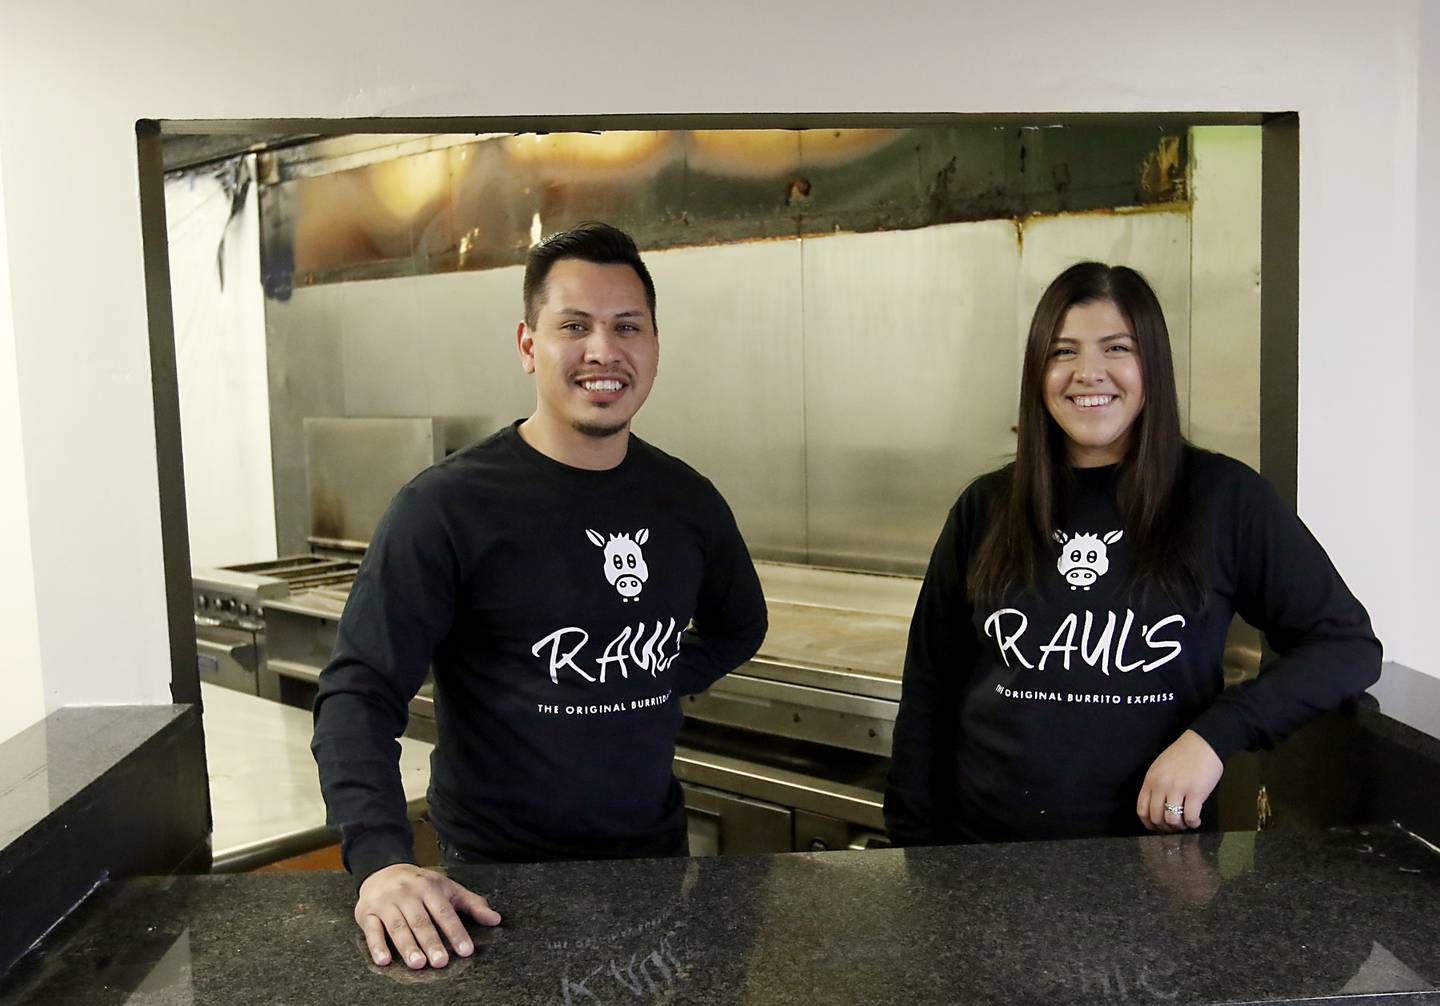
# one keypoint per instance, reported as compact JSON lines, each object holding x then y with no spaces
{"x":590,"y":241}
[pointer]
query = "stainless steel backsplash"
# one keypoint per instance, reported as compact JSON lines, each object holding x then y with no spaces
{"x":839,"y":390}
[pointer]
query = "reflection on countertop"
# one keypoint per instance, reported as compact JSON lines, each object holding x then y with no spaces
{"x":1196,"y":918}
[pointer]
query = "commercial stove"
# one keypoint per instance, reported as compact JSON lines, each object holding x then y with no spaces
{"x":791,"y":750}
{"x":230,"y":619}
{"x":829,"y":669}
{"x":250,"y":634}
{"x":301,"y":629}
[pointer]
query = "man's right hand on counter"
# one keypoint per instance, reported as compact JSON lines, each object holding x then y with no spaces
{"x":415,"y":906}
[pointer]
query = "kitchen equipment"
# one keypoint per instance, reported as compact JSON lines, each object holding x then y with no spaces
{"x":230,"y":617}
{"x":354,"y":466}
{"x":301,"y":637}
{"x":790,"y":751}
{"x":829,"y":669}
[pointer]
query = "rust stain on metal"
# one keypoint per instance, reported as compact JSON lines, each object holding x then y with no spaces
{"x":1177,"y":206}
{"x":400,"y":210}
{"x":939,"y":196}
{"x":1021,"y":222}
{"x":797,"y":190}
{"x":1108,"y":211}
{"x":1162,"y":173}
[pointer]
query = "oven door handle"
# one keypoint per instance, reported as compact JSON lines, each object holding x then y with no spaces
{"x":246,"y":654}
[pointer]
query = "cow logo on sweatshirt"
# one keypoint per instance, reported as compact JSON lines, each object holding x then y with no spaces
{"x":1084,"y":558}
{"x":625,"y":567}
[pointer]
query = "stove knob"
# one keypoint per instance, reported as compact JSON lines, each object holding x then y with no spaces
{"x":202,"y":602}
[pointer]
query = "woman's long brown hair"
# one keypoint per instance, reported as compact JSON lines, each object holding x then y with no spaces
{"x":1158,"y":517}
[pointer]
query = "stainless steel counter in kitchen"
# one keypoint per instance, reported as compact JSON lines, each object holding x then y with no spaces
{"x":829,"y":669}
{"x":790,"y":750}
{"x":264,"y":789}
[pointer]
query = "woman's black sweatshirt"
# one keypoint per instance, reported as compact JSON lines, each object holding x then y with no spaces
{"x":1039,"y":717}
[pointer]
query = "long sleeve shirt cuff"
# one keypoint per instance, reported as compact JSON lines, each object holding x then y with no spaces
{"x":1223,"y":728}
{"x":376,"y":850}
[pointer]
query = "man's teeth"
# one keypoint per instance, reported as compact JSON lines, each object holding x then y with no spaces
{"x":1090,"y":401}
{"x":606,"y":385}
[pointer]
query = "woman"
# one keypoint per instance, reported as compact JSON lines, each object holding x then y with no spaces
{"x":1063,"y":676}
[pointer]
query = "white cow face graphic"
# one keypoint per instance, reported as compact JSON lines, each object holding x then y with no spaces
{"x":625,"y":567}
{"x":1084,"y":558}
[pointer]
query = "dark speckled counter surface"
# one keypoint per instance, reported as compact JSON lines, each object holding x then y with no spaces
{"x":1199,"y":918}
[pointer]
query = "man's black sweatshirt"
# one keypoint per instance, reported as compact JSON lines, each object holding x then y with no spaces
{"x":564,"y":612}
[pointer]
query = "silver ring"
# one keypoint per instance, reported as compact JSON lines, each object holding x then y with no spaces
{"x":1174,"y":808}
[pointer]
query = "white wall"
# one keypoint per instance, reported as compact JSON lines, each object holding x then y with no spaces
{"x":1427,"y":324}
{"x":220,"y":361}
{"x":23,"y":703}
{"x":74,"y":77}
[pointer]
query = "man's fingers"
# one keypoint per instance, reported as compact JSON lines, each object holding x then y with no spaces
{"x":399,"y":929}
{"x":449,"y":923}
{"x":374,"y":931}
{"x":417,"y":908}
{"x":426,"y":935}
{"x":475,"y":906}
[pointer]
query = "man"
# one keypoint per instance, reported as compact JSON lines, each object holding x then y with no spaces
{"x":548,"y":574}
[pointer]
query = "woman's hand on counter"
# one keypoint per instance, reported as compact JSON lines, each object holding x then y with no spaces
{"x":1183,"y":776}
{"x":415,"y":907}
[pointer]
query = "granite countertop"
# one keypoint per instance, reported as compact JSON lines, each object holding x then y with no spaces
{"x":47,"y":765}
{"x":1187,"y":919}
{"x":1410,"y":698}
{"x":264,"y":787}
